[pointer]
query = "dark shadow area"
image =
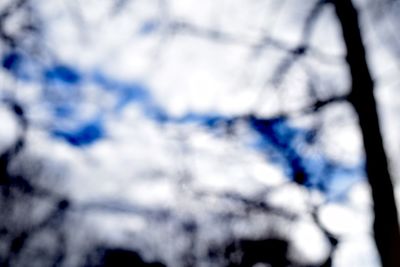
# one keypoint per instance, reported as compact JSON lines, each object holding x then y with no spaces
{"x":247,"y":253}
{"x":117,"y":257}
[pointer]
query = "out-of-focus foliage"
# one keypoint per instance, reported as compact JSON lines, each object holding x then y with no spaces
{"x":185,"y":133}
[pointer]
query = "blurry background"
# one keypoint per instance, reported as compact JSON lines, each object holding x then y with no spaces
{"x":188,"y":133}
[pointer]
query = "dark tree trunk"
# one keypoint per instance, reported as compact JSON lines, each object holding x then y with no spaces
{"x":386,"y":227}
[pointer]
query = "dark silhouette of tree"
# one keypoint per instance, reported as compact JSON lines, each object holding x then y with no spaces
{"x":110,"y":257}
{"x":361,"y":97}
{"x":386,"y":225}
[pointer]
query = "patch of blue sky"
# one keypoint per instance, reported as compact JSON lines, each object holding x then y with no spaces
{"x":85,"y":134}
{"x":155,"y":112}
{"x":316,"y":168}
{"x":274,"y":130}
{"x":127,"y":92}
{"x":12,"y":61}
{"x":273,"y":154}
{"x":331,"y":178}
{"x":60,"y":73}
{"x":61,"y":101}
{"x":276,"y":135}
{"x":281,"y":142}
{"x":61,"y":93}
{"x":209,"y":119}
{"x":341,"y":180}
{"x":277,"y":139}
{"x":149,"y":27}
{"x":24,"y":67}
{"x":88,"y":133}
{"x":137,"y":92}
{"x":19,"y":65}
{"x":64,"y":111}
{"x":214,"y":122}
